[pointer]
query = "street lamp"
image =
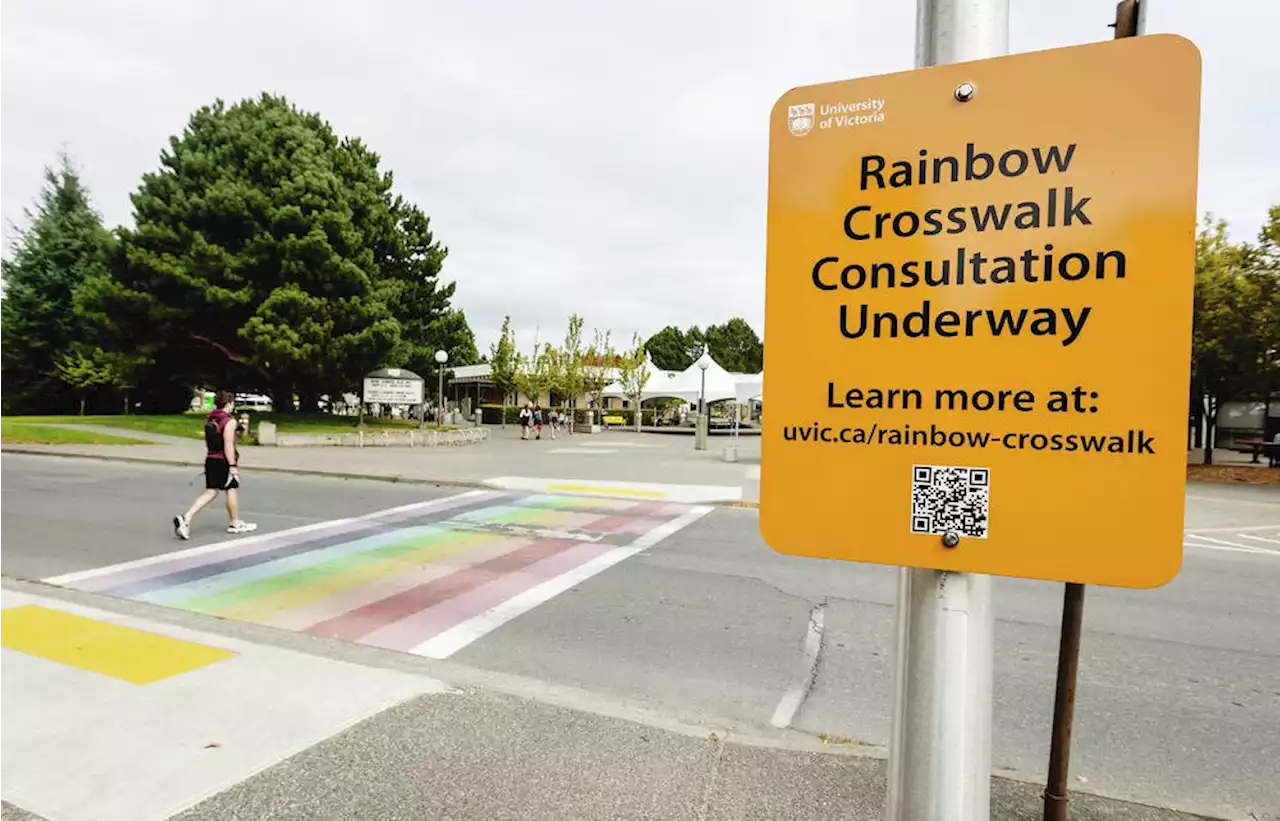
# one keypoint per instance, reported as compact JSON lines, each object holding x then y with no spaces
{"x":442,"y":356}
{"x":700,"y":432}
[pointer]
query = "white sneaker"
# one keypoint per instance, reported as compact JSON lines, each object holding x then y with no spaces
{"x":241,"y":527}
{"x":182,"y":527}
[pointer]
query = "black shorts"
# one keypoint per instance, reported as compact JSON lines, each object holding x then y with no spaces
{"x":217,"y":475}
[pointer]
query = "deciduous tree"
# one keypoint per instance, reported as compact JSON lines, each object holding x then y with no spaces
{"x":736,"y":346}
{"x":535,"y":372}
{"x":572,"y":362}
{"x":503,"y":364}
{"x":633,"y":375}
{"x":598,"y":368}
{"x":85,"y":368}
{"x":668,"y":349}
{"x":1233,"y":345}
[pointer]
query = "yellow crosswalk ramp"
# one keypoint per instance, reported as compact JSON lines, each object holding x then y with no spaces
{"x":136,"y":656}
{"x":608,"y":490}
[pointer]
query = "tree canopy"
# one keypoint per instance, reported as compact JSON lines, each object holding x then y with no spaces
{"x":63,"y":245}
{"x":669,"y":349}
{"x":269,"y":253}
{"x":1236,"y":338}
{"x":633,"y":374}
{"x":734,"y":344}
{"x":504,"y":362}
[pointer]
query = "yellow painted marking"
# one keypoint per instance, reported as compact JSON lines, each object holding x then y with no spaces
{"x":132,"y":655}
{"x":626,"y":491}
{"x":536,"y":516}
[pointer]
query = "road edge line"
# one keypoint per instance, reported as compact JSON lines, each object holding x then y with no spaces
{"x":806,"y":671}
{"x":323,"y":474}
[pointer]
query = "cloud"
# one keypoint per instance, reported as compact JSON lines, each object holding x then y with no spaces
{"x":603,"y":158}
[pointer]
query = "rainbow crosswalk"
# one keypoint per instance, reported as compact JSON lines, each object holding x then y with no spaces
{"x":427,"y":578}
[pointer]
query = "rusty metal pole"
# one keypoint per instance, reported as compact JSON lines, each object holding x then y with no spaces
{"x":1127,"y":24}
{"x":1064,"y":703}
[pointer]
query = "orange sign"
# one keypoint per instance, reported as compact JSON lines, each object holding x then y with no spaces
{"x":978,"y":312}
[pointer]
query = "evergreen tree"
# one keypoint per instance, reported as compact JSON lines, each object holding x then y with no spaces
{"x":270,"y":254}
{"x":62,"y":246}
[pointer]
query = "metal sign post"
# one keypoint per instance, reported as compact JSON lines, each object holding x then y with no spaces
{"x":1130,"y":22}
{"x":944,"y":656}
{"x":937,"y":241}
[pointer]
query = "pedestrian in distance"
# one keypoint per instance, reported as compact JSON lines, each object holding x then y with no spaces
{"x":221,"y":468}
{"x":537,"y":421}
{"x":526,"y":419}
{"x":553,"y":419}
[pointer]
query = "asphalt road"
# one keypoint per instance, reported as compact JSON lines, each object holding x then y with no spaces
{"x":63,"y":515}
{"x":1179,"y":700}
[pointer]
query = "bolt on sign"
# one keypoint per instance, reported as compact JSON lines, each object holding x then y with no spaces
{"x":978,"y":306}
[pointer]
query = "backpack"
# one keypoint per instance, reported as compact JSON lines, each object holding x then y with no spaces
{"x":214,"y":424}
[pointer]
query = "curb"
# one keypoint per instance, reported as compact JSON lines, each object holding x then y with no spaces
{"x":324,"y":474}
{"x":717,"y":729}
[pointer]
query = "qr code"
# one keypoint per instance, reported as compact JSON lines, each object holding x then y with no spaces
{"x":950,"y":500}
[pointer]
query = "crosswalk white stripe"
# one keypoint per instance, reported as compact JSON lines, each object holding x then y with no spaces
{"x":1261,"y":539}
{"x":1220,"y":541}
{"x":1252,"y":550}
{"x":445,"y":644}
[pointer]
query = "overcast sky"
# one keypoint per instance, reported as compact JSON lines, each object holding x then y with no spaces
{"x":602,"y":157}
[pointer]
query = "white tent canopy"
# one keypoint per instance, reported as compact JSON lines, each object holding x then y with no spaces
{"x":750,"y":388}
{"x":687,"y":384}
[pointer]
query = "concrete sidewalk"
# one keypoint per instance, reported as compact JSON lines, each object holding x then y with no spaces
{"x":613,"y":456}
{"x":458,"y":742}
{"x":479,"y":755}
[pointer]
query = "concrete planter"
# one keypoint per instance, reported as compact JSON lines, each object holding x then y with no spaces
{"x":382,"y":438}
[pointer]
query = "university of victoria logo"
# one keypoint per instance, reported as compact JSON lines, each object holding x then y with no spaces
{"x":800,"y":118}
{"x":807,"y":117}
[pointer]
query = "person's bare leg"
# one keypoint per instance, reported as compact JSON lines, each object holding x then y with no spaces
{"x":233,"y":506}
{"x":199,"y":504}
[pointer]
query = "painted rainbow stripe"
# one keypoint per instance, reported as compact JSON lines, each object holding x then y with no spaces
{"x":400,"y":579}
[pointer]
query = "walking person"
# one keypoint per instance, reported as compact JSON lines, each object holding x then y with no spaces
{"x":221,"y":468}
{"x":554,"y":419}
{"x":526,"y":419}
{"x":537,"y":420}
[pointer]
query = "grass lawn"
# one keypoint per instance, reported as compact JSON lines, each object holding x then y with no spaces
{"x":19,"y":433}
{"x":177,"y":424}
{"x":188,"y":425}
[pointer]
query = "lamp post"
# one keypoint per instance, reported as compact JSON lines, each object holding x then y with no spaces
{"x":442,"y":356}
{"x":700,"y":431}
